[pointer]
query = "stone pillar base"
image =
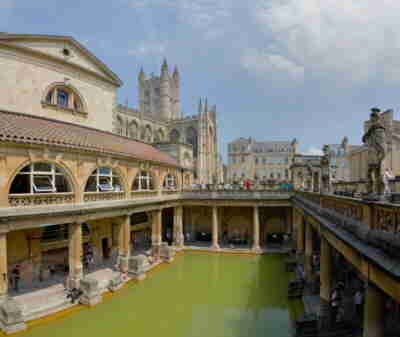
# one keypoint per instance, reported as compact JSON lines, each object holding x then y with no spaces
{"x":115,"y":283}
{"x":136,"y":267}
{"x":123,"y":263}
{"x":91,"y":292}
{"x":216,"y":247}
{"x":256,"y":249}
{"x":73,"y":282}
{"x":155,"y":251}
{"x":11,"y":320}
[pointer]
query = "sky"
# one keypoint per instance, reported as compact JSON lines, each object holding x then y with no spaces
{"x":276,"y":69}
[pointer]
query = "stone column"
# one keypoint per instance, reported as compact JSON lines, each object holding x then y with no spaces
{"x":374,"y":312}
{"x":215,"y":226}
{"x":124,"y":241}
{"x":3,"y":267}
{"x":75,"y":255}
{"x":300,"y":236}
{"x":308,"y":252}
{"x":256,"y":230}
{"x":325,"y":278}
{"x":156,"y":231}
{"x":178,"y":226}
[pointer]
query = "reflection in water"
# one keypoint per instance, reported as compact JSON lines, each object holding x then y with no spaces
{"x":197,"y":295}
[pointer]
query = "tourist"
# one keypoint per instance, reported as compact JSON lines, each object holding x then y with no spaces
{"x":16,"y":275}
{"x":52,"y":271}
{"x":335,"y":302}
{"x":358,"y":302}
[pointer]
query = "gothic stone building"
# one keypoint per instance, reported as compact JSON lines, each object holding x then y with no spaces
{"x":159,"y":121}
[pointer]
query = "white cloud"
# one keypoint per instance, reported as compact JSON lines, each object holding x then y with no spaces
{"x":353,"y":39}
{"x":313,"y":151}
{"x":207,"y":16}
{"x":148,"y":48}
{"x":262,"y":63}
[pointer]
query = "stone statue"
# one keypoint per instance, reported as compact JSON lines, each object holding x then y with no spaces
{"x":375,"y":139}
{"x":325,"y":172}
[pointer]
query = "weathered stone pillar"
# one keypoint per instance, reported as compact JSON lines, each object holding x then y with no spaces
{"x":178,"y":226}
{"x":3,"y":267}
{"x":374,"y":311}
{"x":325,"y":278}
{"x":215,"y":244}
{"x":124,"y":241}
{"x":75,"y":255}
{"x":308,"y":252}
{"x":256,"y":230}
{"x":300,"y":236}
{"x":325,"y":270}
{"x":156,"y":231}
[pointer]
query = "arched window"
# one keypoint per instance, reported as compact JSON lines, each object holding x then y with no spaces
{"x":170,"y":182}
{"x":159,"y":136}
{"x":191,"y":138}
{"x":40,"y":178}
{"x":133,"y":130}
{"x":174,"y":136}
{"x":119,"y":127}
{"x":104,"y":179}
{"x":148,"y":134}
{"x":143,"y":182}
{"x":64,"y":96}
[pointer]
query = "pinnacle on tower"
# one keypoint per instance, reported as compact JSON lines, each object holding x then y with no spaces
{"x":200,"y":106}
{"x":205,"y":106}
{"x":176,"y":72}
{"x":141,"y":75}
{"x":164,"y":67}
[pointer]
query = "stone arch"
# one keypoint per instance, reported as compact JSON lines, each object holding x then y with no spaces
{"x":50,"y":90}
{"x":142,"y":183}
{"x":133,"y":129}
{"x":71,"y":179}
{"x":148,"y":133}
{"x":174,"y":136}
{"x":192,"y":139}
{"x":159,"y":136}
{"x":117,"y":173}
{"x":119,"y":128}
{"x":238,"y":227}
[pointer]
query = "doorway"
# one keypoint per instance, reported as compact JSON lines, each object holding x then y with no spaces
{"x":105,"y":248}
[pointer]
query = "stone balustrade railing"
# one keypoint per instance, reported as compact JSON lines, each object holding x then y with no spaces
{"x":236,"y":194}
{"x":350,"y":207}
{"x":103,"y":196}
{"x":18,"y":200}
{"x":169,"y":192}
{"x":144,"y":194}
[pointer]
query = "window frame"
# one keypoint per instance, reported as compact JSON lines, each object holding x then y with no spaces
{"x":51,"y":174}
{"x":112,"y":175}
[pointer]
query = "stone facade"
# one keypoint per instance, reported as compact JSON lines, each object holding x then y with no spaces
{"x":31,"y":65}
{"x":260,"y":161}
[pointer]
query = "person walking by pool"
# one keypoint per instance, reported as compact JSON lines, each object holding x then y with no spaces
{"x":358,"y":303}
{"x":16,"y":275}
{"x":334,"y":303}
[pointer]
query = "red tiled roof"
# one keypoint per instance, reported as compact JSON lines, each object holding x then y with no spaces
{"x":22,"y":128}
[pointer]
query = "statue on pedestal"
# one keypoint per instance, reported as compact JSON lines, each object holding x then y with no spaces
{"x":375,"y":139}
{"x":325,"y":172}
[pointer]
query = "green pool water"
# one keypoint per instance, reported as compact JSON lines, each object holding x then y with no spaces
{"x":198,"y":295}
